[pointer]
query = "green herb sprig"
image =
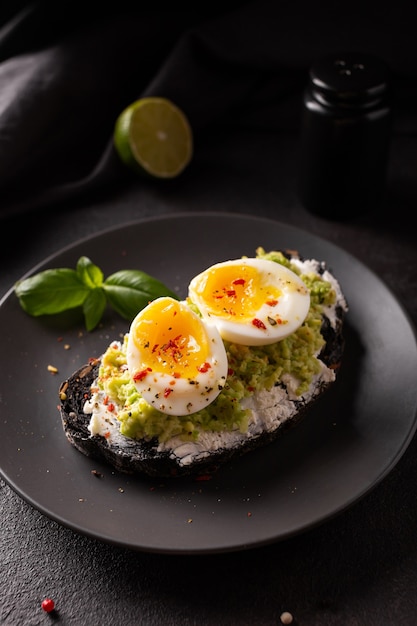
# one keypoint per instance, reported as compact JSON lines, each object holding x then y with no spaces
{"x":54,"y":291}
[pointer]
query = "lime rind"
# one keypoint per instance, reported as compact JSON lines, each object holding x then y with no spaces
{"x":121,"y":131}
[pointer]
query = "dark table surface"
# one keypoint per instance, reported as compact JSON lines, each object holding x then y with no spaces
{"x":359,"y":567}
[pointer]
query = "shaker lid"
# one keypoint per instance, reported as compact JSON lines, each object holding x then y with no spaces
{"x":350,"y":79}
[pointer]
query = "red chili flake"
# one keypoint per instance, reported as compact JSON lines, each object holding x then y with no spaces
{"x":239,"y":281}
{"x":106,"y":400}
{"x":204,"y":368}
{"x":107,"y":434}
{"x":202,"y":477}
{"x":258,"y":323}
{"x":251,"y":388}
{"x":249,"y":514}
{"x":173,"y":346}
{"x":230,"y":372}
{"x":110,"y":407}
{"x":176,"y":375}
{"x":167,"y":392}
{"x":142,"y":374}
{"x":155,"y":347}
{"x":271,"y":302}
{"x":48,"y":605}
{"x":231,"y":293}
{"x":219,"y":297}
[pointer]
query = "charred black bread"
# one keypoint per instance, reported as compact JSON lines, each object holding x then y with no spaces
{"x":273,"y":411}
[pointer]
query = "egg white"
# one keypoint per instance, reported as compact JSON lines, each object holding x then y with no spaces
{"x":252,"y":301}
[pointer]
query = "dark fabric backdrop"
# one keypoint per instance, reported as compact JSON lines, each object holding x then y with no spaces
{"x":67,"y":70}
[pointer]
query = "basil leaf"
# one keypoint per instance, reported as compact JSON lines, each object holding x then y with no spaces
{"x":57,"y":290}
{"x":93,"y":308}
{"x":90,"y":274}
{"x":129,"y":291}
{"x":51,"y":291}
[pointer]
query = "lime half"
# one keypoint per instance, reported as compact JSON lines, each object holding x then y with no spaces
{"x":153,"y":135}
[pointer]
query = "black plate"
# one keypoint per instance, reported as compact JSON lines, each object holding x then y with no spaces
{"x":350,"y":441}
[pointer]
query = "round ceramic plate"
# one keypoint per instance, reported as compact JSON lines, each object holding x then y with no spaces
{"x":350,"y":440}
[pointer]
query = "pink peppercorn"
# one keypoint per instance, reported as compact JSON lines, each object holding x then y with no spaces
{"x":48,"y":605}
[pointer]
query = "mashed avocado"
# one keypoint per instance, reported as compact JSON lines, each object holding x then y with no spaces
{"x":250,"y":370}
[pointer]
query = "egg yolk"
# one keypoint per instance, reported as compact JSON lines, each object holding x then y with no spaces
{"x":235,"y":292}
{"x":171,"y":340}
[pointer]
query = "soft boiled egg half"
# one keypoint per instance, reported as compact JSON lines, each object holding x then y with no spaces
{"x":177,"y":361}
{"x":251,"y":301}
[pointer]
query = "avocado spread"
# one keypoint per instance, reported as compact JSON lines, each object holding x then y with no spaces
{"x":250,"y":370}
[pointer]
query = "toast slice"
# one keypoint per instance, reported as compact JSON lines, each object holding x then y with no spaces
{"x":271,"y":410}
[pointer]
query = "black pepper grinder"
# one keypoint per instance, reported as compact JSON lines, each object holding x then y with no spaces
{"x":345,"y":135}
